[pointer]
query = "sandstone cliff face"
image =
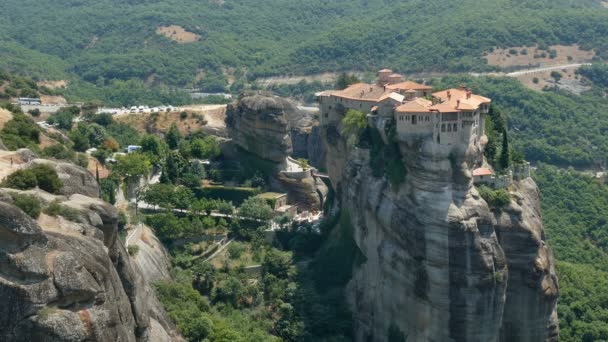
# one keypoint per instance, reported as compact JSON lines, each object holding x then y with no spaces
{"x":272,"y":128}
{"x":440,"y":264}
{"x":71,"y":279}
{"x":258,"y":124}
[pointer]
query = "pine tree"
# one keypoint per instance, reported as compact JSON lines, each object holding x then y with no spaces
{"x":174,"y":136}
{"x":504,"y":153}
{"x":164,"y":177}
{"x":97,"y":172}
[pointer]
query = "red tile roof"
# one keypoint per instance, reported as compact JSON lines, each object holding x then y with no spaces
{"x":362,"y":92}
{"x":461,"y":99}
{"x":408,"y":85}
{"x":482,"y":171}
{"x":418,"y":105}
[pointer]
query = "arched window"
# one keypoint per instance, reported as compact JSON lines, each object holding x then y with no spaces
{"x":449,"y":127}
{"x":455,"y":127}
{"x":443,"y":127}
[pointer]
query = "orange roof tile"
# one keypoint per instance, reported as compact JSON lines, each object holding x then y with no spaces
{"x":408,"y":85}
{"x":444,"y":108}
{"x":418,"y":105}
{"x":458,"y":99}
{"x":482,"y":171}
{"x":395,"y":96}
{"x":362,"y":92}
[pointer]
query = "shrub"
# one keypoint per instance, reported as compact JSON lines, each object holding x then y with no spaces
{"x":35,"y":112}
{"x":55,"y":209}
{"x":235,"y":250}
{"x":47,"y":178}
{"x":496,"y":199}
{"x":20,"y":132}
{"x":58,"y":151}
{"x":183,"y":115}
{"x":28,"y":203}
{"x":22,"y":180}
{"x":133,"y":249}
{"x":82,"y":160}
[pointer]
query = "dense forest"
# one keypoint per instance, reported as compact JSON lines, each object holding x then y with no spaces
{"x":575,"y":208}
{"x":100,"y":41}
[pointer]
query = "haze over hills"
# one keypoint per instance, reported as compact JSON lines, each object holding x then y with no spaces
{"x":104,"y":40}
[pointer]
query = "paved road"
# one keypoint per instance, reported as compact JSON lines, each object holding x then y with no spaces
{"x":531,"y":71}
{"x":538,"y":70}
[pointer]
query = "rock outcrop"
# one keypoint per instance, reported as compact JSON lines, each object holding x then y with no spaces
{"x":152,"y":257}
{"x":306,"y":136}
{"x":70,"y":278}
{"x":270,"y":127}
{"x":258,"y":124}
{"x":440,"y":264}
{"x":273,"y":128}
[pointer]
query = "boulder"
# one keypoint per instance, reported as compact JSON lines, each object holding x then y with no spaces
{"x":258,"y":124}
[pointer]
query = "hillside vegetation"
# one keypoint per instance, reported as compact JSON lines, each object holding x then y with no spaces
{"x":575,"y":208}
{"x":104,"y":40}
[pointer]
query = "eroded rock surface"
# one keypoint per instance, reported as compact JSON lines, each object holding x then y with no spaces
{"x":70,"y":279}
{"x":273,"y":128}
{"x":258,"y":124}
{"x":440,"y":264}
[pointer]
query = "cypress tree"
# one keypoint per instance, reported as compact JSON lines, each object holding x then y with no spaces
{"x":504,"y":153}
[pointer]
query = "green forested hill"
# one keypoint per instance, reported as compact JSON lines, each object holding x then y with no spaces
{"x":575,"y":208}
{"x":100,"y":40}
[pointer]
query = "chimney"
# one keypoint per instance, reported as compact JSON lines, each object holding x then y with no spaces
{"x":462,"y":87}
{"x":469,"y":93}
{"x":457,"y":104}
{"x":449,"y":95}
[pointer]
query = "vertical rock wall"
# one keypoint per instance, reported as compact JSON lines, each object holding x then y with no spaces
{"x":441,"y":265}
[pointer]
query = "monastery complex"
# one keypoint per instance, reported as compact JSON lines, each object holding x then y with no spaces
{"x":450,"y":117}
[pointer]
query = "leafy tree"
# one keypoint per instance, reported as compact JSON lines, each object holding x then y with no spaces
{"x":204,"y":276}
{"x":353,"y":124}
{"x":153,"y":147}
{"x":110,"y":144}
{"x":256,"y":208}
{"x":132,"y":166}
{"x":63,"y":118}
{"x":80,"y":140}
{"x":205,"y":148}
{"x":35,"y":112}
{"x":277,"y":263}
{"x":229,"y":291}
